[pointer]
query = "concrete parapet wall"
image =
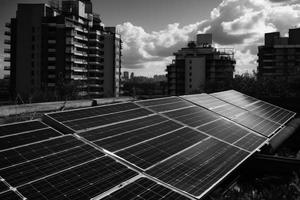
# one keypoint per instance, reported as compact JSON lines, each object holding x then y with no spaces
{"x":11,"y":110}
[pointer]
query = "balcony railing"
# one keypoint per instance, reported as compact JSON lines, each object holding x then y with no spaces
{"x":7,"y":68}
{"x":7,"y":51}
{"x":8,"y":25}
{"x":6,"y":59}
{"x":7,"y":42}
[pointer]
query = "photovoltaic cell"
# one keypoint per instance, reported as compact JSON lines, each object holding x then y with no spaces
{"x":204,"y":100}
{"x":82,"y":182}
{"x":91,"y":111}
{"x":9,"y":195}
{"x":235,"y":98}
{"x":131,"y":138}
{"x":224,"y":130}
{"x":170,"y":106}
{"x":271,"y":112}
{"x":153,"y":151}
{"x":16,"y":128}
{"x":250,"y":142}
{"x":155,"y":102}
{"x":258,"y":124}
{"x":37,"y":150}
{"x":86,"y":123}
{"x":3,"y":187}
{"x":229,"y":111}
{"x":117,"y":129}
{"x":193,"y":116}
{"x":195,"y":170}
{"x":29,"y":171}
{"x":145,"y":189}
{"x":27,"y":137}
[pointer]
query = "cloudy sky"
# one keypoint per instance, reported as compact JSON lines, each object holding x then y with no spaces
{"x":153,"y":30}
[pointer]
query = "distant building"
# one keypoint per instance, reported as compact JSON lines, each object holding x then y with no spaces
{"x":131,"y":75}
{"x":62,"y":43}
{"x":197,"y":64}
{"x":279,"y":58}
{"x":125,"y":75}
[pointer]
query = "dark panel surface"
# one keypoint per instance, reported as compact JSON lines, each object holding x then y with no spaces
{"x":33,"y":151}
{"x":204,"y":100}
{"x":26,"y":138}
{"x":116,"y":129}
{"x":193,"y":116}
{"x":235,"y":98}
{"x":271,"y":112}
{"x":145,"y":189}
{"x":250,"y":142}
{"x":81,"y":124}
{"x":3,"y":187}
{"x":257,"y":123}
{"x":171,"y":106}
{"x":198,"y":168}
{"x":92,"y":111}
{"x":229,"y":111}
{"x":155,"y":102}
{"x":16,"y":128}
{"x":44,"y":166}
{"x":82,"y":182}
{"x":131,"y":138}
{"x":151,"y":152}
{"x":224,"y":130}
{"x":9,"y":195}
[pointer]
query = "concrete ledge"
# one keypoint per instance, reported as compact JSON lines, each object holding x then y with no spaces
{"x":10,"y":110}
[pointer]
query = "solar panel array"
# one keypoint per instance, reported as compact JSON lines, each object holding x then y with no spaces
{"x":167,"y":148}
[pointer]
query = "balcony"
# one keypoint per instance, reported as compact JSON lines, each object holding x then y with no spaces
{"x":81,"y":45}
{"x":7,"y":51}
{"x":80,"y":37}
{"x":81,"y":29}
{"x":80,"y":53}
{"x":94,"y":63}
{"x":94,"y":85}
{"x":95,"y":78}
{"x":78,"y":77}
{"x":95,"y":70}
{"x":8,"y":33}
{"x":79,"y":69}
{"x":6,"y":68}
{"x":82,"y":93}
{"x":6,"y":76}
{"x":8,"y":25}
{"x":7,"y":42}
{"x":6,"y":59}
{"x":79,"y":61}
{"x":95,"y":93}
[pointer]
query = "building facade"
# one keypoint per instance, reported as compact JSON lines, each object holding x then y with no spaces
{"x":199,"y":64}
{"x":54,"y":45}
{"x":279,"y":57}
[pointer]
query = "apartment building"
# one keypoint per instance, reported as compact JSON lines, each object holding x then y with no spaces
{"x":197,"y":64}
{"x":279,"y":57}
{"x":53,"y":45}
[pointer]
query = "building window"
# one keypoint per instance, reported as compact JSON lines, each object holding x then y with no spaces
{"x":190,"y":86}
{"x":190,"y":73}
{"x":190,"y":68}
{"x":191,"y":61}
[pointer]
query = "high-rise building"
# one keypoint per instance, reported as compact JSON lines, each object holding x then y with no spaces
{"x":197,"y":64}
{"x":279,"y":58}
{"x":57,"y":44}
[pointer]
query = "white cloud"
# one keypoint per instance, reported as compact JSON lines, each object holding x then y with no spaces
{"x":234,"y":23}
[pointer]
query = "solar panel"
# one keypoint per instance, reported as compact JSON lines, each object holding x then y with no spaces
{"x":81,"y":182}
{"x":20,"y":127}
{"x":23,"y":138}
{"x":120,"y":128}
{"x":229,"y":111}
{"x":198,"y":168}
{"x":33,"y":151}
{"x":165,"y":104}
{"x":193,"y":116}
{"x":10,"y":195}
{"x":204,"y":100}
{"x":44,"y":166}
{"x":3,"y":186}
{"x":128,"y":139}
{"x":230,"y":132}
{"x":258,"y":124}
{"x":91,"y":111}
{"x":149,"y":153}
{"x":271,"y":112}
{"x":261,"y":108}
{"x":96,"y":121}
{"x":145,"y":189}
{"x":235,"y":98}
